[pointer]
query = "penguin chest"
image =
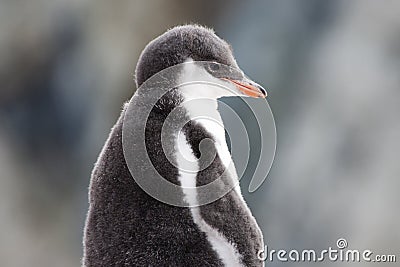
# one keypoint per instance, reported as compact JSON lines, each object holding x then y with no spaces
{"x":188,"y":173}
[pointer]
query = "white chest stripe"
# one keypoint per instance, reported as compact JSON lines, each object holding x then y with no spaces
{"x":187,"y":177}
{"x":202,"y":107}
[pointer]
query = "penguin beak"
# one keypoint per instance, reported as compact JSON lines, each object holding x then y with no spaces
{"x":249,"y":88}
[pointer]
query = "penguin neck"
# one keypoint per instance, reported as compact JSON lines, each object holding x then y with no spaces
{"x":206,"y":121}
{"x":200,"y":100}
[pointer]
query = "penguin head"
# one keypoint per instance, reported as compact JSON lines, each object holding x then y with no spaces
{"x":194,"y":43}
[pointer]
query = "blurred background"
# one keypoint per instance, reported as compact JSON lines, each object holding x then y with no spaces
{"x":332,"y":69}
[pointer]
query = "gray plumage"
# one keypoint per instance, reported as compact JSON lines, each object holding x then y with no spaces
{"x":127,"y":227}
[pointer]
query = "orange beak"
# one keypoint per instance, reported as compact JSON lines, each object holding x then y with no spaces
{"x":249,"y":88}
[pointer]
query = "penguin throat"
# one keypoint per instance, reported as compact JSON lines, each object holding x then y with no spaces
{"x":200,"y":102}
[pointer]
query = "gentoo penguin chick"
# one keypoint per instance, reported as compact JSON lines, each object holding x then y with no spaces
{"x":125,"y":226}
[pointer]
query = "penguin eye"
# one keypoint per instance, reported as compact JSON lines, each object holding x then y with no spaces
{"x":213,"y":67}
